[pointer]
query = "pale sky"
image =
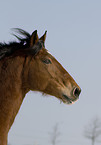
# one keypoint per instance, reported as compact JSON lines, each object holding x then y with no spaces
{"x":74,"y":38}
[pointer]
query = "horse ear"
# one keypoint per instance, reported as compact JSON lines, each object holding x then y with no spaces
{"x":43,"y":38}
{"x":34,"y":38}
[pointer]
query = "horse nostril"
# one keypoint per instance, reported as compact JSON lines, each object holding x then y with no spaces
{"x":76,"y":92}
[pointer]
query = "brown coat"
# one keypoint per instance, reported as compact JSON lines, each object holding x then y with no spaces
{"x":27,"y":65}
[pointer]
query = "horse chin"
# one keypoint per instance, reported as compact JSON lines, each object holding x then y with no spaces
{"x":65,"y":99}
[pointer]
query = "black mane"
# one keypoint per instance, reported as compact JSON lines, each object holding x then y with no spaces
{"x":11,"y":47}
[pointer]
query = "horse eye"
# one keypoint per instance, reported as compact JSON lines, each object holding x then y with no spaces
{"x":47,"y":61}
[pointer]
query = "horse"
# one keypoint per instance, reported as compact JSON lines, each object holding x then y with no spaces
{"x":27,"y":65}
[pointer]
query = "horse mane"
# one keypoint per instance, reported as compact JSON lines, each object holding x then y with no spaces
{"x":7,"y":49}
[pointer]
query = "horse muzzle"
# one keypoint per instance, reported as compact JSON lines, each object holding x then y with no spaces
{"x":74,"y":96}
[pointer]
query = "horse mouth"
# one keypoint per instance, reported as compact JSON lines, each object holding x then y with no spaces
{"x":67,"y":100}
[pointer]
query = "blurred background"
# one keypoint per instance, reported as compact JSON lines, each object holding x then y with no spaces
{"x":74,"y":38}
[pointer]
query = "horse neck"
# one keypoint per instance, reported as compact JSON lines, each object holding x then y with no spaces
{"x":11,"y":91}
{"x":10,"y":75}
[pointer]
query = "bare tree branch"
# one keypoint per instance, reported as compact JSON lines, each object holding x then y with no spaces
{"x":55,"y":135}
{"x":93,"y":130}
